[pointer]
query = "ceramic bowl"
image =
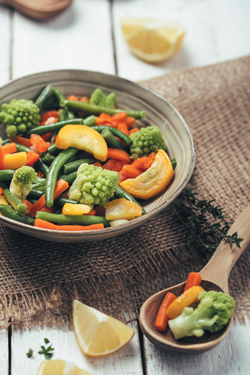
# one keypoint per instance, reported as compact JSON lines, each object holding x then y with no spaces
{"x":130,"y":95}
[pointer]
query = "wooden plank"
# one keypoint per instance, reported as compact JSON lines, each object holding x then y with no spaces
{"x":231,"y":357}
{"x":208,"y":39}
{"x":126,"y":361}
{"x":79,"y":38}
{"x":5,"y":32}
{"x":4,"y":353}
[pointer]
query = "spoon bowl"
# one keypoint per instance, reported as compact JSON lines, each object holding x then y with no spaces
{"x":214,"y":277}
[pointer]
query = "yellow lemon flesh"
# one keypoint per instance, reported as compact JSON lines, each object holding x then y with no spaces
{"x":152,"y":40}
{"x":84,"y":138}
{"x":98,"y":334}
{"x":59,"y":367}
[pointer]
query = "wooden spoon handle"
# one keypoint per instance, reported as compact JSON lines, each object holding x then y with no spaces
{"x":220,"y":265}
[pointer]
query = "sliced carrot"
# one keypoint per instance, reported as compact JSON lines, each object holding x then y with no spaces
{"x":47,"y":115}
{"x":114,"y":124}
{"x":99,"y":121}
{"x":38,"y":142}
{"x":15,"y":161}
{"x":161,"y":320}
{"x":50,"y":120}
{"x":1,"y":158}
{"x":1,"y":190}
{"x":9,"y":148}
{"x":32,"y":157}
{"x":119,"y":116}
{"x":123,"y":128}
{"x":133,"y":130}
{"x":28,"y":204}
{"x":152,"y":156}
{"x":114,"y":165}
{"x":46,"y":137}
{"x":21,"y":141}
{"x":47,"y":225}
{"x":40,"y":174}
{"x":114,"y":153}
{"x":194,"y":279}
{"x":129,"y":121}
{"x":92,"y":213}
{"x":142,"y":163}
{"x":97,"y":164}
{"x":105,"y":117}
{"x":60,"y":187}
{"x":73,"y":98}
{"x":130,"y":171}
{"x":46,"y":209}
{"x":84,"y":99}
{"x":122,"y":177}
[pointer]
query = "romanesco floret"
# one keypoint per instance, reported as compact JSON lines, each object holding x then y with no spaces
{"x":19,"y":116}
{"x":145,"y":141}
{"x":212,"y":314}
{"x":21,"y":183}
{"x":98,"y":98}
{"x":93,"y":185}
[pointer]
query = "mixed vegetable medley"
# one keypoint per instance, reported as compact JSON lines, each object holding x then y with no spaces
{"x":78,"y":163}
{"x":195,"y":310}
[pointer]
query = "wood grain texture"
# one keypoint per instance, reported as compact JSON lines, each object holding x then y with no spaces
{"x":126,"y":361}
{"x":4,"y":353}
{"x":230,"y":357}
{"x":5,"y":32}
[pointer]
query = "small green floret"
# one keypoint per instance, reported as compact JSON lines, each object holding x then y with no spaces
{"x":212,"y":314}
{"x":93,"y":185}
{"x":145,"y":141}
{"x":98,"y":98}
{"x":19,"y":116}
{"x":21,"y":183}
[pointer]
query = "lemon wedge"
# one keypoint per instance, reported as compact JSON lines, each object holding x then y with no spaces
{"x":59,"y":367}
{"x":152,"y":40}
{"x":98,"y":334}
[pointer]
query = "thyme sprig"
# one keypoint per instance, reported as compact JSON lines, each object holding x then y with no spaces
{"x":204,"y":222}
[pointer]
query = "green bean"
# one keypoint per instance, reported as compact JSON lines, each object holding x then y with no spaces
{"x":94,"y":109}
{"x":53,"y":127}
{"x":6,"y":174}
{"x":12,"y":214}
{"x":69,"y":115}
{"x":48,"y":158}
{"x":43,"y":167}
{"x":3,"y":185}
{"x":47,"y":92}
{"x":5,"y":142}
{"x":69,"y":177}
{"x":55,"y":167}
{"x":114,"y":131}
{"x":60,"y":201}
{"x":22,"y":148}
{"x":120,"y":193}
{"x":53,"y":149}
{"x":35,"y":194}
{"x":111,"y":140}
{"x":59,"y":95}
{"x":90,"y":121}
{"x":61,"y":115}
{"x":73,"y":166}
{"x":76,"y":219}
{"x":15,"y":202}
{"x":51,"y":105}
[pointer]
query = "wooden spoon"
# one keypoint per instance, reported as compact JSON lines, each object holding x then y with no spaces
{"x":39,"y":9}
{"x":214,"y":277}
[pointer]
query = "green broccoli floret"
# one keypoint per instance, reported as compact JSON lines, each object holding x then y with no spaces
{"x":93,"y":185}
{"x":19,"y":116}
{"x":212,"y":314}
{"x":98,"y":98}
{"x":145,"y":141}
{"x":21,"y":182}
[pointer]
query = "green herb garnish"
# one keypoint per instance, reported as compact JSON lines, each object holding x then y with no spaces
{"x":46,"y":341}
{"x":30,"y":353}
{"x":46,"y":351}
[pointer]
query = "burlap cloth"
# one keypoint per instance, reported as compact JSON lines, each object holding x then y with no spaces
{"x":38,"y":279}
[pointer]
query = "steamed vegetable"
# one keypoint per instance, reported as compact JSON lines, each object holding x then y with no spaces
{"x":98,"y":98}
{"x":21,"y":183}
{"x":19,"y":116}
{"x":145,"y":141}
{"x":93,"y":185}
{"x":212,"y":314}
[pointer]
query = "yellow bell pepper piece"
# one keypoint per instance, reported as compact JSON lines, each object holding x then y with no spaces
{"x":16,"y":160}
{"x":84,"y":138}
{"x":122,"y":209}
{"x":153,"y":181}
{"x":3,"y":200}
{"x":184,"y":300}
{"x":75,"y":209}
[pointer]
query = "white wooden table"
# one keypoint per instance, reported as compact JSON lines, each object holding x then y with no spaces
{"x":88,"y":36}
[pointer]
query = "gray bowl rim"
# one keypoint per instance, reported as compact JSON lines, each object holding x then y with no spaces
{"x":133,"y":223}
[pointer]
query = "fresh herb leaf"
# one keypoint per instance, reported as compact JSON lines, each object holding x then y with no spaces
{"x":30,"y":353}
{"x":204,"y":223}
{"x":46,"y":351}
{"x":46,"y":341}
